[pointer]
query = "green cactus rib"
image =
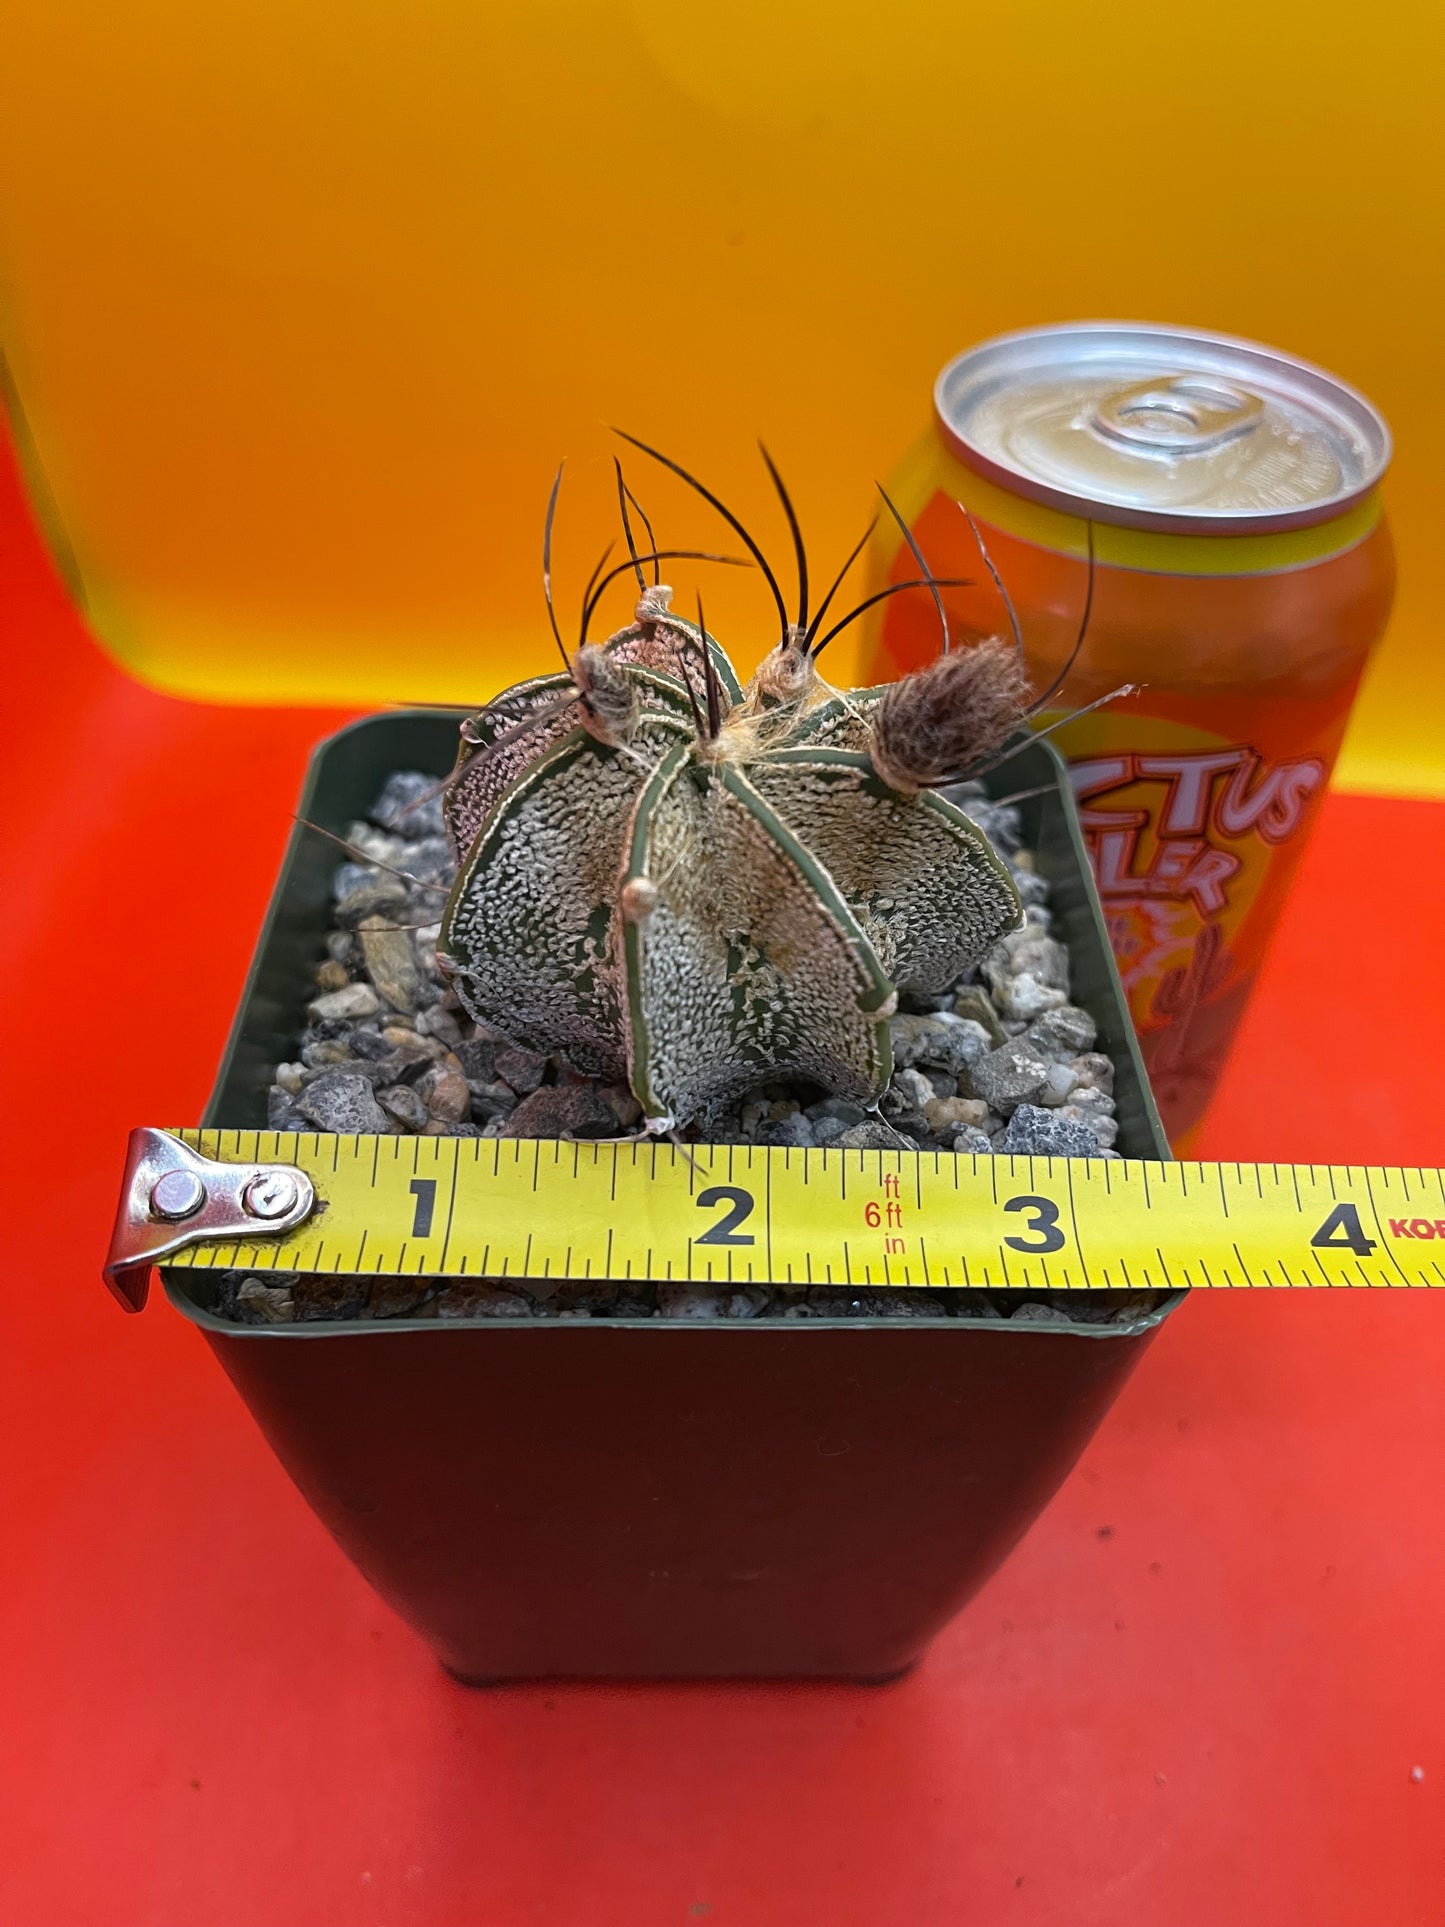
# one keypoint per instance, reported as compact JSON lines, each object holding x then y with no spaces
{"x":528,"y":926}
{"x":750,"y":964}
{"x":839,"y":722}
{"x":512,"y":734}
{"x":923,"y":880}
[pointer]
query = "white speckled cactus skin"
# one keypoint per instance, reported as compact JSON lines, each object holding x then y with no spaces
{"x":713,"y":888}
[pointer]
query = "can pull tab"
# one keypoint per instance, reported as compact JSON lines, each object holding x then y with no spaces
{"x":1178,"y":414}
{"x":173,"y":1196}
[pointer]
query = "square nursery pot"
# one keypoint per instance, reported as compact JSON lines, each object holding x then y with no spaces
{"x":633,"y":1497}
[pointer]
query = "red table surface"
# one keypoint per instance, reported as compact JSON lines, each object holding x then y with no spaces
{"x":1197,"y":1694}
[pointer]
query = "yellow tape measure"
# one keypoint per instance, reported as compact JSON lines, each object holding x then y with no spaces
{"x":532,"y":1209}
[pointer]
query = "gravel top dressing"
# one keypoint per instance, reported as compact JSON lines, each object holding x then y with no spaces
{"x":1002,"y":1063}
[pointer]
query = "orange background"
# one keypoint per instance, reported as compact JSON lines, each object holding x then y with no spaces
{"x":304,"y":303}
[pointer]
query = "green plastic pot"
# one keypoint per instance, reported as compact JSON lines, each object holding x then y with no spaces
{"x":645,"y":1497}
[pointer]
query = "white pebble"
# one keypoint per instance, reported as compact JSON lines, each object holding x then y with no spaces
{"x":1059,"y":1088}
{"x":356,"y":1000}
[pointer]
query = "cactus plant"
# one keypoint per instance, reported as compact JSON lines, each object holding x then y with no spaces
{"x":698,"y":885}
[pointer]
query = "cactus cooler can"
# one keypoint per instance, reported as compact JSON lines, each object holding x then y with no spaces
{"x":1242,"y":574}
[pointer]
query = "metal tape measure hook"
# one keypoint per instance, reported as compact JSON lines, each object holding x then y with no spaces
{"x":171,"y":1197}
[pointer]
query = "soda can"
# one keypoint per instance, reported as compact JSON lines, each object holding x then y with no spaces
{"x":1242,"y":572}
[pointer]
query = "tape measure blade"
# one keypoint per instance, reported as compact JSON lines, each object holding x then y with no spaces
{"x":525,"y":1208}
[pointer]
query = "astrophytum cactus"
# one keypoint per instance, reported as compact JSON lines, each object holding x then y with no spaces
{"x":698,"y":886}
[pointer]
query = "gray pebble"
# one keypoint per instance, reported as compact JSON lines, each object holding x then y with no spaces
{"x":972,"y":1142}
{"x":377,"y":896}
{"x":920,"y":1003}
{"x":431,"y":862}
{"x":400,"y":806}
{"x":1038,"y":955}
{"x":404,"y":1104}
{"x":839,"y":1301}
{"x":972,"y":1304}
{"x":842,"y":1108}
{"x":869,"y":1136}
{"x":478,"y":1059}
{"x":341,"y":1101}
{"x":710,"y":1301}
{"x":1008,"y":1077}
{"x":383,"y":850}
{"x":326,"y":1053}
{"x":372,"y":1045}
{"x":391,"y":964}
{"x":349,"y":878}
{"x":1037,"y":1133}
{"x":326,"y":1028}
{"x":1094,"y":1071}
{"x":999,"y":822}
{"x":330,"y":1297}
{"x":1027,"y":950}
{"x":405,"y":1064}
{"x":396,"y":1297}
{"x":974,"y":1002}
{"x":827,"y":1130}
{"x":1061,"y":1034}
{"x":473,"y":1300}
{"x":1105,"y":1129}
{"x":1023,"y":997}
{"x":491,"y":1101}
{"x":522,"y":1069}
{"x":953,"y":1043}
{"x":281,"y":1112}
{"x":1035,"y":1314}
{"x":907,"y":1093}
{"x":442,"y":1024}
{"x":424,"y":949}
{"x":258,"y":1303}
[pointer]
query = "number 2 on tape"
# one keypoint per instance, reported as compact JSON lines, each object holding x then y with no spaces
{"x":740,"y":1207}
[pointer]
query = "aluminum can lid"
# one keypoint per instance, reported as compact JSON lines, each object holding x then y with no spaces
{"x":1162,"y":428}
